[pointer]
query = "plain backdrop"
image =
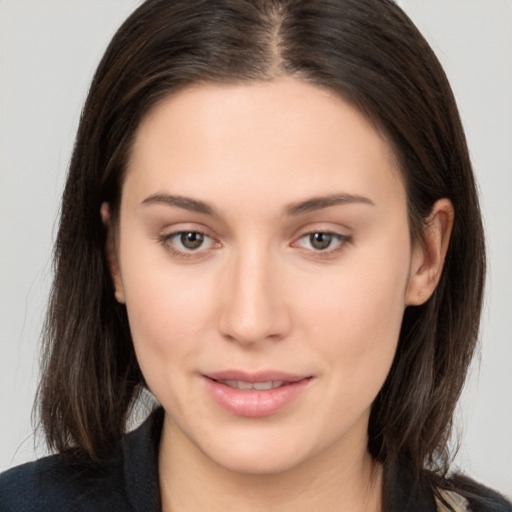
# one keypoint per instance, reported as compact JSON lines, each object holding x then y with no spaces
{"x":48,"y":53}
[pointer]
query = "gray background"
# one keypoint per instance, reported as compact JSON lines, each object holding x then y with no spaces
{"x":48,"y":52}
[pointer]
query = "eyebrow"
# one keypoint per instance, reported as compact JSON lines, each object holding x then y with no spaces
{"x":318,"y":203}
{"x":187,"y":203}
{"x":294,"y":209}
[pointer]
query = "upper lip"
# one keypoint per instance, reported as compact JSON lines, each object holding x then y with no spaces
{"x":261,"y":376}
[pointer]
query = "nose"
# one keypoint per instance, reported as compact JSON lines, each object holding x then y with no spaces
{"x":254,"y":307}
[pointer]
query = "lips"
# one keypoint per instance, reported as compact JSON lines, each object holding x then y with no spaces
{"x":259,"y":386}
{"x":254,"y":395}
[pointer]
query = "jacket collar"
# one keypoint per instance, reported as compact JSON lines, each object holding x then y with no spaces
{"x":140,"y":464}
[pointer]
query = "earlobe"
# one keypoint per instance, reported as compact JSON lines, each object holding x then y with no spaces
{"x":111,"y":255}
{"x":429,"y":254}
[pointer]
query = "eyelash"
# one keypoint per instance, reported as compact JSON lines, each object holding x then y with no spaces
{"x":167,"y":242}
{"x":341,"y":240}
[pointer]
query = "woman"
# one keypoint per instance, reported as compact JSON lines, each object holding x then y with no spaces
{"x":270,"y":222}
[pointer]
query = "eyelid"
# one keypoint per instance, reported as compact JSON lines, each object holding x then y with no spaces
{"x":166,"y":240}
{"x":343,"y":240}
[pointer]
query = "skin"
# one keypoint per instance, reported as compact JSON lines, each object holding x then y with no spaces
{"x":257,"y":294}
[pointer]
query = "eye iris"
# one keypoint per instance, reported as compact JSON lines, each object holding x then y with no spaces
{"x":192,"y":240}
{"x":320,"y":240}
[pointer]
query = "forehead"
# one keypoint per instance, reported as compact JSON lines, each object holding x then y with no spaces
{"x":280,"y":138}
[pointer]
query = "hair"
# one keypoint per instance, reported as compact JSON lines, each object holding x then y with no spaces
{"x":371,"y":55}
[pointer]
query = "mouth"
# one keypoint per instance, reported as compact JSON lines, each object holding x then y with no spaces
{"x":258,"y":386}
{"x":255,"y":395}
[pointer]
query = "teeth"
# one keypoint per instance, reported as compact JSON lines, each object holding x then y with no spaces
{"x":259,"y":386}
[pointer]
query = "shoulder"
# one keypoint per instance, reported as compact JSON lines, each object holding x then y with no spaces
{"x":467,"y":495}
{"x":480,"y":498}
{"x":127,"y":481}
{"x":431,"y":492}
{"x":57,"y":483}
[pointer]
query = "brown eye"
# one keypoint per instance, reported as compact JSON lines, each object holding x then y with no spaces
{"x":323,"y":242}
{"x":191,"y":240}
{"x":320,"y":241}
{"x":188,"y":244}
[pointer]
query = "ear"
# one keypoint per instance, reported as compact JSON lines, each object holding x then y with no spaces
{"x":429,"y":254}
{"x":111,"y":254}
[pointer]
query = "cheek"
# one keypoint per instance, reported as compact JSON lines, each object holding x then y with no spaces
{"x":356,"y":317}
{"x":167,"y":309}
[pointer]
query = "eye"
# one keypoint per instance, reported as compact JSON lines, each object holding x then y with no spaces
{"x":191,"y":240}
{"x":185,"y":243}
{"x":322,"y":241}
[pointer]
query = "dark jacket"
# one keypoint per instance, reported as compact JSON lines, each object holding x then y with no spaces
{"x":129,"y":482}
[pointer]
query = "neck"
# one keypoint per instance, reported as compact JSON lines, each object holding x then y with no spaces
{"x":330,"y":481}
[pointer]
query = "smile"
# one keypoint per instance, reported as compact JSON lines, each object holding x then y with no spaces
{"x":257,"y":395}
{"x":258,"y":386}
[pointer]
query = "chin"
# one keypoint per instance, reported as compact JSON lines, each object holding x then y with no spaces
{"x":258,"y":453}
{"x":258,"y":463}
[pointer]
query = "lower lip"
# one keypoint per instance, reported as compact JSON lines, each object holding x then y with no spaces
{"x":255,"y":403}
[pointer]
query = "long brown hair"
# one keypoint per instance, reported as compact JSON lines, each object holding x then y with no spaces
{"x":368,"y":52}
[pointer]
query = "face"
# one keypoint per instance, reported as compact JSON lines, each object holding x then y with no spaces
{"x":264,"y":257}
